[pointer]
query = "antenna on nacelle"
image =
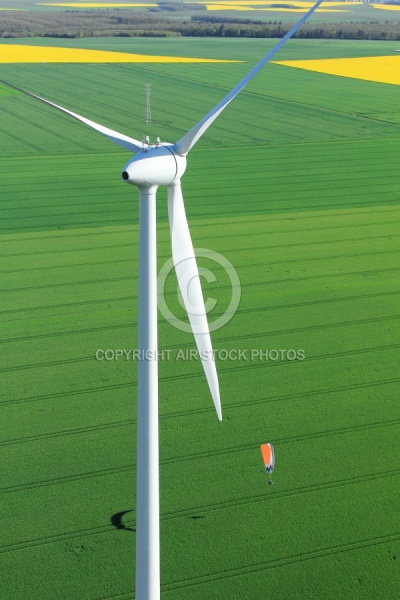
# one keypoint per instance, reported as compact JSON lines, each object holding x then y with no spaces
{"x":147,"y":87}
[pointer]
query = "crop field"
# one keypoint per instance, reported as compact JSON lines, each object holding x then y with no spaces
{"x":24,"y":53}
{"x":384,"y":69}
{"x":264,"y":10}
{"x":297,"y":185}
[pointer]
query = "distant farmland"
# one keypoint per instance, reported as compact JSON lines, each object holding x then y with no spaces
{"x":231,"y":18}
{"x":297,"y":185}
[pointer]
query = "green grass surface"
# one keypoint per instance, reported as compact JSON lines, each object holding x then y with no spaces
{"x":297,"y":185}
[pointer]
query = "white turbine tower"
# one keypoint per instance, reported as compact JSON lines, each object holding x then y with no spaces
{"x":150,"y":167}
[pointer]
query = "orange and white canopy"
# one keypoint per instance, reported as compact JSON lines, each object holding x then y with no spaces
{"x":268,"y":456}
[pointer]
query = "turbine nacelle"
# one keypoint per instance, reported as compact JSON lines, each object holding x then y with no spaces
{"x":155,"y":165}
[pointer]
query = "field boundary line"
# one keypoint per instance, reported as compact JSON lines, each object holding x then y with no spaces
{"x":282,"y":441}
{"x":109,"y":528}
{"x":318,"y":487}
{"x":278,"y":563}
{"x":217,"y":341}
{"x":194,"y":374}
{"x":295,"y":396}
{"x":239,"y":250}
{"x":247,"y":284}
{"x":22,"y":487}
{"x":266,"y":247}
{"x":187,"y":457}
{"x":242,"y":311}
{"x":388,"y":208}
{"x":259,"y":209}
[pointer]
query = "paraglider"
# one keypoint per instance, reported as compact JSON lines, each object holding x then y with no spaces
{"x":268,"y":456}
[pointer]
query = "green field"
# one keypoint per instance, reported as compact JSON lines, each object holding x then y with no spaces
{"x":356,"y":12}
{"x":297,"y":184}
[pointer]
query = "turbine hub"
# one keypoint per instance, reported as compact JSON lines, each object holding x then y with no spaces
{"x":155,"y":165}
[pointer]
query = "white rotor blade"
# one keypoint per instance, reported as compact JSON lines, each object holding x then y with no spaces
{"x":192,"y":136}
{"x":116,"y":137}
{"x":189,"y":283}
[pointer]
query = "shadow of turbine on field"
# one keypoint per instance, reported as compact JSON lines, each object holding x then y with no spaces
{"x":116,"y":521}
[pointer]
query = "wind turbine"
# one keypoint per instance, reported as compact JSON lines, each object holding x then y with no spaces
{"x":150,"y":167}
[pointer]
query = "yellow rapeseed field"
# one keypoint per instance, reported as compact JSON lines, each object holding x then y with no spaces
{"x":91,"y":4}
{"x":217,"y":5}
{"x":13,"y":53}
{"x":266,"y":8}
{"x":270,"y":4}
{"x":386,"y":6}
{"x":382,"y":69}
{"x":269,"y":7}
{"x":230,"y":7}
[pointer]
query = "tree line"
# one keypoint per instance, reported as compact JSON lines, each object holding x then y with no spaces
{"x":128,"y":23}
